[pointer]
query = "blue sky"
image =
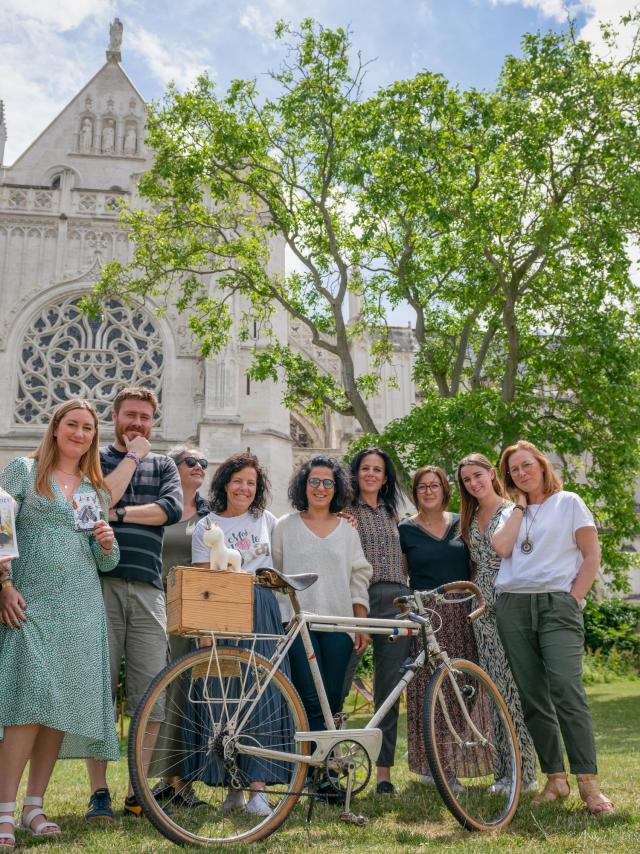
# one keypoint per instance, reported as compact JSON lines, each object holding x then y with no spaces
{"x":50,"y":48}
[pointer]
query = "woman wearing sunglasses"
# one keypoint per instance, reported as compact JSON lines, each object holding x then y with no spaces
{"x":314,"y":538}
{"x":176,"y":551}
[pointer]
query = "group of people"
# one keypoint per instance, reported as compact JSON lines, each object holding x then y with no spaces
{"x":74,"y":602}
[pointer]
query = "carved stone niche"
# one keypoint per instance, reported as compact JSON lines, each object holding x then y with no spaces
{"x":108,"y":135}
{"x":86,"y":134}
{"x":130,"y":138}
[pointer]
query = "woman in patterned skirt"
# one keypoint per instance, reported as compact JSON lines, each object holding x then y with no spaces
{"x":55,"y":692}
{"x":482,"y":502}
{"x":435,"y":555}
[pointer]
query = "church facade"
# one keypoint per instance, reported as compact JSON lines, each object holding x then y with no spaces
{"x":59,"y":207}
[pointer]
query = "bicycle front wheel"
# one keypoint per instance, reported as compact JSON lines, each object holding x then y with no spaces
{"x":467,"y":730}
{"x":207,"y":702}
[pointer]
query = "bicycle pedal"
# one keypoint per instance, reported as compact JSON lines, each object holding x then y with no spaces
{"x":352,"y":818}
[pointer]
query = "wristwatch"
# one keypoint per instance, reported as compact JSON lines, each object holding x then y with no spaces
{"x":520,"y":508}
{"x":6,"y":583}
{"x":121,"y":512}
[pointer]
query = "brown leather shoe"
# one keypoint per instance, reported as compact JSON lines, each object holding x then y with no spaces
{"x":556,"y":789}
{"x":590,"y":793}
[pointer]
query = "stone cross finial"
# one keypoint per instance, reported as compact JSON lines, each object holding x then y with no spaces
{"x":115,"y":41}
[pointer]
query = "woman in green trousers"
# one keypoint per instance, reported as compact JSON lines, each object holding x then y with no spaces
{"x":550,"y":556}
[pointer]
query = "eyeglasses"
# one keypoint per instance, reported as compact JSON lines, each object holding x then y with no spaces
{"x":521,"y":469}
{"x":192,"y":462}
{"x":326,"y":482}
{"x":429,"y":487}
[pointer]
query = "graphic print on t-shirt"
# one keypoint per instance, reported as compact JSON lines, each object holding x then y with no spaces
{"x":248,"y":544}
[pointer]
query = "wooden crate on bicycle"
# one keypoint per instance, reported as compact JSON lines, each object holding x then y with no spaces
{"x":199,"y":600}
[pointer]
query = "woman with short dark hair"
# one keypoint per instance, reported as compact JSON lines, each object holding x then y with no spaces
{"x":315,"y":538}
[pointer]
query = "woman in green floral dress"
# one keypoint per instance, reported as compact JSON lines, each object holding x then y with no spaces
{"x":55,"y":694}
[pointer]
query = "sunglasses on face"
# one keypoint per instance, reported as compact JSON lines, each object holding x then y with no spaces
{"x":192,"y":462}
{"x":326,"y":482}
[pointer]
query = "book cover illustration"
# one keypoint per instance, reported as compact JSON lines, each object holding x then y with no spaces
{"x":86,"y":510}
{"x":8,"y":544}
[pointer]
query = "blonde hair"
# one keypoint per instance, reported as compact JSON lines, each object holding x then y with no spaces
{"x":551,"y":481}
{"x":468,"y":502}
{"x":47,"y":451}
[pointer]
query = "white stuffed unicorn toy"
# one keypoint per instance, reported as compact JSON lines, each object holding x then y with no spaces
{"x":221,"y":558}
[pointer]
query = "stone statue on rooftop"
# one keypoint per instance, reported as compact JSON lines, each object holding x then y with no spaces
{"x":115,"y":41}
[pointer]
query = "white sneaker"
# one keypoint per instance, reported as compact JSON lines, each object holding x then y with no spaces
{"x":233,"y":801}
{"x":258,"y":804}
{"x":426,"y":779}
{"x":529,"y":788}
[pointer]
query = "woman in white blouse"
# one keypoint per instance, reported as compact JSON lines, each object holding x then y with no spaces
{"x":315,"y":539}
{"x":550,"y":557}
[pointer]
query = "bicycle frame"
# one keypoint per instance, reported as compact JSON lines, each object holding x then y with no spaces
{"x":371,"y":736}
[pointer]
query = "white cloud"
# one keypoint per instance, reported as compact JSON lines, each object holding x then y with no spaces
{"x":595,"y":12}
{"x":260,"y":19}
{"x":167,"y":62}
{"x":60,"y":15}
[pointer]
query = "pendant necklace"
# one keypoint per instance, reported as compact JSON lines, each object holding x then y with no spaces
{"x":526,"y":547}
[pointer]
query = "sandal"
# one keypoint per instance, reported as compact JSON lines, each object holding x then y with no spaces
{"x":27,"y":820}
{"x":7,"y":840}
{"x":555,"y":789}
{"x":594,"y":800}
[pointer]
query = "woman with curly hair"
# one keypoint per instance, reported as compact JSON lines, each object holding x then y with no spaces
{"x":238,"y":496}
{"x":315,"y":538}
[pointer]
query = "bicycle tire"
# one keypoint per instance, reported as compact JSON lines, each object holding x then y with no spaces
{"x":208,"y":825}
{"x":464,"y":774}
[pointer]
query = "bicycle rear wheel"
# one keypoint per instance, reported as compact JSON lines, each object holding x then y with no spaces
{"x":466,"y":727}
{"x":209,"y":695}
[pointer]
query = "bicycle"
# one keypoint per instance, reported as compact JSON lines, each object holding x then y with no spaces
{"x":236,"y":706}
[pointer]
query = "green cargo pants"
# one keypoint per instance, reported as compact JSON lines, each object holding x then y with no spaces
{"x":543,"y":638}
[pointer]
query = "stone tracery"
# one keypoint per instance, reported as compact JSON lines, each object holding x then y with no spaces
{"x":65,"y":354}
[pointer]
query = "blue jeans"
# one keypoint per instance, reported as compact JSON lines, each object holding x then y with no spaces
{"x":333,"y":651}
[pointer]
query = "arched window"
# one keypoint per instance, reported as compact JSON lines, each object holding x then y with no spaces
{"x":299,"y":436}
{"x":65,"y":354}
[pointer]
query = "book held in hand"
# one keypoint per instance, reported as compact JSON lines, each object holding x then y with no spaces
{"x":86,"y":510}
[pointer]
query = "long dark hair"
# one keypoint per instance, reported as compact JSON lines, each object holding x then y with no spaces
{"x":389,"y":492}
{"x":341,"y":475}
{"x":224,"y":473}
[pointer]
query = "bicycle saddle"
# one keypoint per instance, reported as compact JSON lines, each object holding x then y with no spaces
{"x":274,"y":580}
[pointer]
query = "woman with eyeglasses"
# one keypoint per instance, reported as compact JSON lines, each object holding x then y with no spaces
{"x":550,"y":554}
{"x":314,"y":538}
{"x":435,"y":554}
{"x":238,"y":497}
{"x":482,"y":502}
{"x":176,"y":551}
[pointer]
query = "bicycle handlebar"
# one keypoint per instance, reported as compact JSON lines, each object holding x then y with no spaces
{"x":447,"y":588}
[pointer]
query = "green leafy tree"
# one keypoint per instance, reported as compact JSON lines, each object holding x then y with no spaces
{"x":501,"y":218}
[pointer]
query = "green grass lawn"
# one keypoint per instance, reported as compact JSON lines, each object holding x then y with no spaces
{"x":415,"y":819}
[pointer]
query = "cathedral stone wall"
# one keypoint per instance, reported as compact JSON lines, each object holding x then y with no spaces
{"x":59,"y":206}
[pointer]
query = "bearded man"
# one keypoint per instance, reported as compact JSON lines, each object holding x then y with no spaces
{"x":146,"y":495}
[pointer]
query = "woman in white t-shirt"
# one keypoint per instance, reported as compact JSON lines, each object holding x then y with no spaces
{"x":238,"y":496}
{"x":550,"y":557}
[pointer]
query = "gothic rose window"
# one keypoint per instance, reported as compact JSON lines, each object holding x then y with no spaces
{"x":65,"y":354}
